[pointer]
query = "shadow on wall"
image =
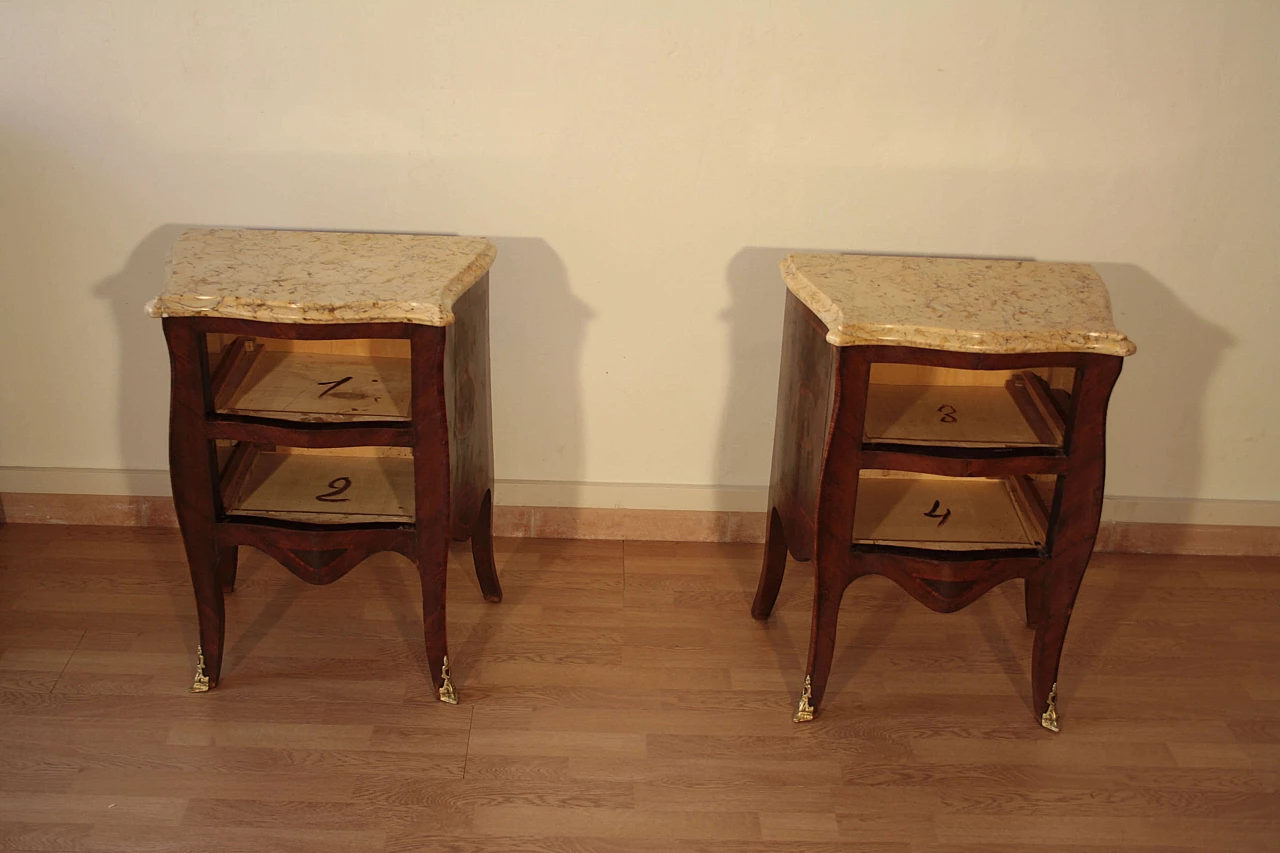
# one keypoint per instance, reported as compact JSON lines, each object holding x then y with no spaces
{"x":538,"y":328}
{"x":757,"y":297}
{"x":1156,"y":420}
{"x":143,"y":401}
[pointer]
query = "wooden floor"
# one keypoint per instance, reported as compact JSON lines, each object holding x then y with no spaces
{"x":621,"y":698}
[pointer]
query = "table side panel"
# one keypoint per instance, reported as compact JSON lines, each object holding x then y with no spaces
{"x":806,"y":398}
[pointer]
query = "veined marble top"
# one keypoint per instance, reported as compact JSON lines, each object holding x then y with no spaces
{"x":319,"y":276}
{"x":959,"y":304}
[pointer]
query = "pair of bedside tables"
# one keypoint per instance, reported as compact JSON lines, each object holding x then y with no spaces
{"x":940,"y":422}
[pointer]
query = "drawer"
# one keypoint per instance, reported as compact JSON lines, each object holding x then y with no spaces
{"x":948,"y":513}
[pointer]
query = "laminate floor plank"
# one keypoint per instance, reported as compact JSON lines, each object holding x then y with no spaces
{"x":621,"y":698}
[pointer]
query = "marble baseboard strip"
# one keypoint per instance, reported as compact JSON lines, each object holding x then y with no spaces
{"x":1130,"y":537}
{"x":107,"y":510}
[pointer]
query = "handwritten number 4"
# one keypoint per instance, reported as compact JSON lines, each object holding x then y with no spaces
{"x":933,"y":513}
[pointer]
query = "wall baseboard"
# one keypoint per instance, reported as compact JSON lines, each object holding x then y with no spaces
{"x":1125,"y":535}
{"x":633,"y":496}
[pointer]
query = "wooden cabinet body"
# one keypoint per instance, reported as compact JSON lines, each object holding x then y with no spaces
{"x":948,"y":472}
{"x":321,"y":443}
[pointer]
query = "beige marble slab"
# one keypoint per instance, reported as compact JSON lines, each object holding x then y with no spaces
{"x":320,"y":276}
{"x":959,"y":304}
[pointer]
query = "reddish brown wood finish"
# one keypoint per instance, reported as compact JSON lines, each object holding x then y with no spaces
{"x":301,"y":434}
{"x":466,"y":377}
{"x":819,"y":452}
{"x":450,"y":433}
{"x":193,"y":473}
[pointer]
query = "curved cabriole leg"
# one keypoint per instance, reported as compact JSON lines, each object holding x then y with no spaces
{"x":432,"y":499}
{"x":482,"y":551}
{"x":193,"y":477}
{"x":775,"y":564}
{"x":833,"y":566}
{"x":1051,"y":634}
{"x":227,"y":563}
{"x":1078,"y":510}
{"x":827,"y":594}
{"x":432,"y":569}
{"x":1034,"y":595}
{"x":211,"y":612}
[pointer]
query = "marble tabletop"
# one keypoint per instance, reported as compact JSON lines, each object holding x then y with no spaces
{"x":320,"y":276}
{"x":959,"y":304}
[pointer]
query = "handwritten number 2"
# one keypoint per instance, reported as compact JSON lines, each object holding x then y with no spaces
{"x":948,"y":413}
{"x":339,"y":485}
{"x":933,"y":513}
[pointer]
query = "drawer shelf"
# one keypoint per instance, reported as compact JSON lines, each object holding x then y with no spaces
{"x":318,"y":488}
{"x":311,"y":387}
{"x":948,"y":513}
{"x":1019,"y":414}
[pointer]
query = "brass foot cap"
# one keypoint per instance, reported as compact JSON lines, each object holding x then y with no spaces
{"x":447,"y":692}
{"x":1049,"y":719}
{"x":804,"y":713}
{"x":201,"y":684}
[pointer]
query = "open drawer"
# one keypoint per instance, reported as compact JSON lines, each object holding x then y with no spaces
{"x":314,"y":381}
{"x":963,"y":408}
{"x":319,"y":487}
{"x":949,"y":513}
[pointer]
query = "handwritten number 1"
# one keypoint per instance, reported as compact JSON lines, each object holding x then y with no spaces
{"x":333,"y":386}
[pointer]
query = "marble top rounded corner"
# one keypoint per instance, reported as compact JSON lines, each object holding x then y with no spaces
{"x":957,"y":304}
{"x":320,"y":276}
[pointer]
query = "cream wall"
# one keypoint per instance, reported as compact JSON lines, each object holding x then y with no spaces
{"x":642,"y":167}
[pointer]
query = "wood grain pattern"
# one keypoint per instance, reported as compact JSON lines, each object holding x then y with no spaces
{"x":302,"y":386}
{"x":619,"y":700}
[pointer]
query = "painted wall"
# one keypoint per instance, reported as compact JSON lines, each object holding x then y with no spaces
{"x":642,"y":167}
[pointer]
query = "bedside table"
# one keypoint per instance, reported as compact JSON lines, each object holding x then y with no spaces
{"x":941,"y":422}
{"x":330,"y":399}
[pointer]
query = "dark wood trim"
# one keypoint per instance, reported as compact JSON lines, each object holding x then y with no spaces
{"x":974,"y":360}
{"x":470,"y":411}
{"x":431,"y":488}
{"x":298,"y":331}
{"x":304,"y":434}
{"x":318,"y":556}
{"x":193,"y":475}
{"x":233,"y":366}
{"x":1073,"y":522}
{"x":926,"y":460}
{"x":944,"y":585}
{"x":837,"y":500}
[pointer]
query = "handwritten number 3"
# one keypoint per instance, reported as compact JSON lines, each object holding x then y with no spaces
{"x":948,"y":413}
{"x":339,"y":485}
